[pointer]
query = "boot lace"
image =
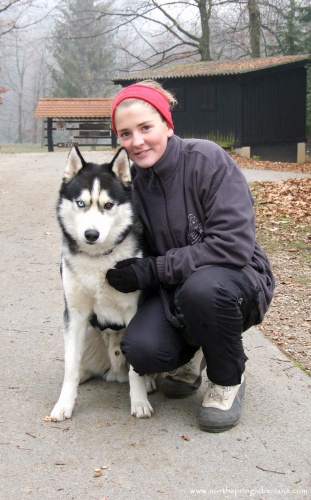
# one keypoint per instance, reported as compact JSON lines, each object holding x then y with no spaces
{"x":219,"y":393}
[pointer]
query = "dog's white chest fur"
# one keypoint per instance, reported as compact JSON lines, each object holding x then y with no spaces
{"x":85,"y":285}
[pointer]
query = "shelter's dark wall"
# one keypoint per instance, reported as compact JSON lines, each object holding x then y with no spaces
{"x":266,"y":107}
{"x":274,"y":108}
{"x":208,"y":108}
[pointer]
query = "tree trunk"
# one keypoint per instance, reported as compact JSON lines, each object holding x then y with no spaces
{"x":20,"y":118}
{"x":204,"y":45}
{"x":254,"y":27}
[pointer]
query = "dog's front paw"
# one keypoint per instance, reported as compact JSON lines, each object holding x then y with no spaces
{"x":141,"y":409}
{"x":61,"y":411}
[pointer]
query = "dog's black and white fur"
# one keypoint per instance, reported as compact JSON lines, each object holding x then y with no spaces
{"x":100,"y":226}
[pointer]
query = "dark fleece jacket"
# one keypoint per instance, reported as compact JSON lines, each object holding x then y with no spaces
{"x":197,"y":210}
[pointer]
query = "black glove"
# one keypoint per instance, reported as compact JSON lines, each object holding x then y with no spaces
{"x":134,"y":274}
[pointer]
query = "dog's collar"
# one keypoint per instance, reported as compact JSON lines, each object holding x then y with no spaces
{"x":117,"y":242}
{"x":96,"y":255}
{"x":109,"y":251}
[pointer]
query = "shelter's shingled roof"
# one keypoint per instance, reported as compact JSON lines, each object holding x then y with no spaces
{"x":74,"y":108}
{"x":215,"y":68}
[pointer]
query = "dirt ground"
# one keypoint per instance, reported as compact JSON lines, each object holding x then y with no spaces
{"x":283,"y":223}
{"x":288,"y":322}
{"x":103,"y":453}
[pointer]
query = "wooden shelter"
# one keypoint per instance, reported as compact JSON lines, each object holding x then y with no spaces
{"x":257,"y":106}
{"x":81,"y":121}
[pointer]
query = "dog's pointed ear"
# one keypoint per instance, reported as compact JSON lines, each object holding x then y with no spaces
{"x":120,"y":165}
{"x":75,"y":162}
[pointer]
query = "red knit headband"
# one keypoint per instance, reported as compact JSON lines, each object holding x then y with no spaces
{"x":149,"y":94}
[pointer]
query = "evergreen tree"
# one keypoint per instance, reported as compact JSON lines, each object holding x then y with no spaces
{"x":295,"y":38}
{"x":305,"y":21}
{"x":293,"y":29}
{"x":83,"y":60}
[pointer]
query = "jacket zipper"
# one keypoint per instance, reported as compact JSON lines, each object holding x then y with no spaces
{"x":153,"y":175}
{"x":151,"y":180}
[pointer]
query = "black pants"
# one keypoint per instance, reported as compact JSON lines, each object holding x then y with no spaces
{"x":217,"y":304}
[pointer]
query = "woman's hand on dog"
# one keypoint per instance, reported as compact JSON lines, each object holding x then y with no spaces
{"x":133,"y":274}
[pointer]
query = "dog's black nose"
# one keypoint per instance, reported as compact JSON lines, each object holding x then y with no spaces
{"x":91,"y":235}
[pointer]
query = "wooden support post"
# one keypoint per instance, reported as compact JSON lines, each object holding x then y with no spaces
{"x":114,"y":142}
{"x":50,"y":134}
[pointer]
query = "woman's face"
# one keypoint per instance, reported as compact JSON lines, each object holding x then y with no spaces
{"x":143,"y":132}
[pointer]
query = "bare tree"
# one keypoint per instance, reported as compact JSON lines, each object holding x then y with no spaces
{"x":24,"y":70}
{"x":254,"y":27}
{"x":16,"y":82}
{"x":200,"y":30}
{"x":10,"y":13}
{"x":14,"y":13}
{"x":168,"y":31}
{"x":2,"y":91}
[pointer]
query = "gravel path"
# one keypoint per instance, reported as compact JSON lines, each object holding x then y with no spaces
{"x":166,"y":457}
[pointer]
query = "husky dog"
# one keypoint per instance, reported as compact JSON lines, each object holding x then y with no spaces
{"x":100,"y":226}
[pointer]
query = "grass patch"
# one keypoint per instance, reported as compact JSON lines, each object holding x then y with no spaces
{"x":284,"y":235}
{"x":13,"y":148}
{"x":299,"y":365}
{"x":304,"y":281}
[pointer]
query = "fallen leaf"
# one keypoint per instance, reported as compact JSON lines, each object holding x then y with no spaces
{"x":98,"y":473}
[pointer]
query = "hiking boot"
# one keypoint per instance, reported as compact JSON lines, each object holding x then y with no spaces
{"x":186,"y":379}
{"x":221,"y":407}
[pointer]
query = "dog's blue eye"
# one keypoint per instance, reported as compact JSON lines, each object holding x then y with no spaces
{"x":80,"y":203}
{"x":108,"y":206}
